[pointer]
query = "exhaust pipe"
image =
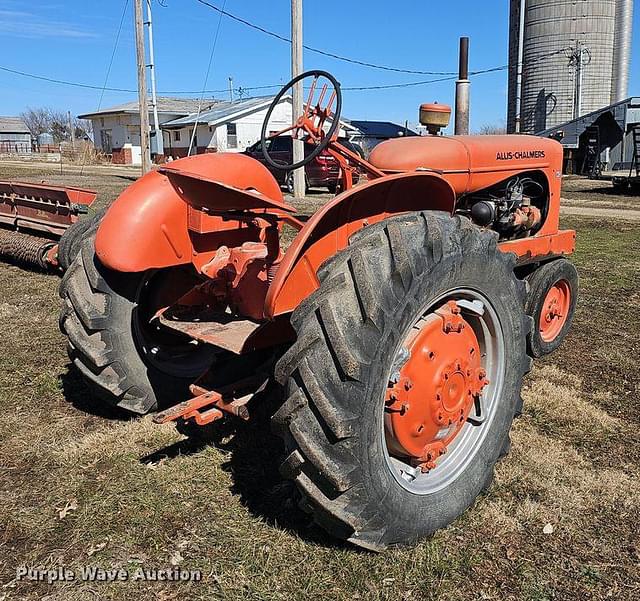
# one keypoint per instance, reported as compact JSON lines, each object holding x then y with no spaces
{"x":462,"y":91}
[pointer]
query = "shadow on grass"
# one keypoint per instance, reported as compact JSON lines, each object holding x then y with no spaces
{"x":79,"y":393}
{"x":254,"y":455}
{"x":611,"y":191}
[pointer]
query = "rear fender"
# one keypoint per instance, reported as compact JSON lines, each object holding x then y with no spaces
{"x":329,"y":230}
{"x":147,"y":226}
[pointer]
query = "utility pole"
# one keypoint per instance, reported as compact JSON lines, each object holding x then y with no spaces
{"x":296,"y":69}
{"x":142,"y":88}
{"x":71,"y":132}
{"x":152,"y":72}
{"x":462,"y":91}
{"x":518,"y":122}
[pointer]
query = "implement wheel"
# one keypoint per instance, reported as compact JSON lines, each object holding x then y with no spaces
{"x":124,"y":355}
{"x":551,"y":302}
{"x":404,"y":379}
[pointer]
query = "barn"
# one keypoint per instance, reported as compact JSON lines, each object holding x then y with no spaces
{"x":15,"y":137}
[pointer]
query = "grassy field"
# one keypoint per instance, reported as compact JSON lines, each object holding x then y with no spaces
{"x":80,"y":486}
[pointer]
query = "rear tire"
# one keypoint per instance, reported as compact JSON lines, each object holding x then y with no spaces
{"x":540,"y":282}
{"x":69,"y":245}
{"x":99,"y":314}
{"x":349,"y":332}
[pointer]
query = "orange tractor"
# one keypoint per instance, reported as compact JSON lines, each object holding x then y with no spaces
{"x":400,"y":320}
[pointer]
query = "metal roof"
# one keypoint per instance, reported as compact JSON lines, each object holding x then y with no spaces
{"x":222,"y":112}
{"x":13,"y":125}
{"x":167,"y":105}
{"x":381,"y":129}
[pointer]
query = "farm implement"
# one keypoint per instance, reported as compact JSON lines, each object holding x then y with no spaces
{"x":38,"y":223}
{"x":400,"y":320}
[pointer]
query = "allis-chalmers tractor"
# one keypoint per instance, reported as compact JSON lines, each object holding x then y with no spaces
{"x":400,"y":320}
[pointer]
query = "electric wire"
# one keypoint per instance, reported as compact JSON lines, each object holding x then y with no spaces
{"x":206,"y":80}
{"x":339,"y":57}
{"x":265,"y":87}
{"x":108,"y":73}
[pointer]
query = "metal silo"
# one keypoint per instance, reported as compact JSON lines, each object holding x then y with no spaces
{"x":567,"y":60}
{"x":622,"y":50}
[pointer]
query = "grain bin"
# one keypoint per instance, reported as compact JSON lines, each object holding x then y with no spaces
{"x":556,"y":34}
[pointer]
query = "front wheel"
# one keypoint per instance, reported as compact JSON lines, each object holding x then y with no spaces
{"x":128,"y":360}
{"x":404,"y":379}
{"x":551,"y":302}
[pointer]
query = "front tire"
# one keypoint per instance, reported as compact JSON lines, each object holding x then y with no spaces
{"x":126,"y":361}
{"x":350,"y":333}
{"x":551,"y":302}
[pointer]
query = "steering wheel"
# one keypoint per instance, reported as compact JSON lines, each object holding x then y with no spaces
{"x":310,"y":123}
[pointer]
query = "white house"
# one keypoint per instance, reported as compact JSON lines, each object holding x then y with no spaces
{"x":221,"y":126}
{"x":225,"y":126}
{"x":116,"y":130}
{"x":230,"y":126}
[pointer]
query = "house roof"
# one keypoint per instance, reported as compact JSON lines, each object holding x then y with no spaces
{"x":222,"y":112}
{"x":13,"y":125}
{"x":381,"y":129}
{"x":166,"y":105}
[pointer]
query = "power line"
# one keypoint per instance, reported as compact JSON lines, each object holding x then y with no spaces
{"x":273,"y":86}
{"x":63,"y":82}
{"x":206,"y":80}
{"x":108,"y":73}
{"x":247,"y":88}
{"x":113,"y":53}
{"x":345,"y":59}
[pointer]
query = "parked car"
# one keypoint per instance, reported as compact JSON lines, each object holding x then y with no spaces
{"x":322,"y":172}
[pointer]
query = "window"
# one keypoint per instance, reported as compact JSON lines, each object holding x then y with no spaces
{"x":176,"y":135}
{"x":232,"y":136}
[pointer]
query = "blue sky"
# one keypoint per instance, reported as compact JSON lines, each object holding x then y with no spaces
{"x":73,"y":40}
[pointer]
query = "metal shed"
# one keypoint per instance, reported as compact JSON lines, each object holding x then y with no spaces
{"x":15,"y":137}
{"x":601,"y":141}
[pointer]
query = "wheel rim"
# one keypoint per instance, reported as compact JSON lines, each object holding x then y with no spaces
{"x":444,"y":388}
{"x":555,"y":310}
{"x":167,"y":351}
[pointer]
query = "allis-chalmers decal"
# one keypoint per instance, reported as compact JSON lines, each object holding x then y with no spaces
{"x":519,"y":155}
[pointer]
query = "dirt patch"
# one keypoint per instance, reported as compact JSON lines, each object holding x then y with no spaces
{"x":606,"y":212}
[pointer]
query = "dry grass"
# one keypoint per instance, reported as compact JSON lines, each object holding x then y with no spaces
{"x":146,"y":495}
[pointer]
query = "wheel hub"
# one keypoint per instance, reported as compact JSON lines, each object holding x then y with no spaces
{"x":430,"y":397}
{"x":555,"y":309}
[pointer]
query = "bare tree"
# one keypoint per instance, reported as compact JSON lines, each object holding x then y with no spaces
{"x":37,"y":120}
{"x":47,"y":120}
{"x":493,"y":129}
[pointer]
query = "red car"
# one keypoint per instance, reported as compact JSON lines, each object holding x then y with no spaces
{"x":322,"y":172}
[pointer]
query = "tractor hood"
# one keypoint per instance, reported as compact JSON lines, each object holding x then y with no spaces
{"x":466,"y":153}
